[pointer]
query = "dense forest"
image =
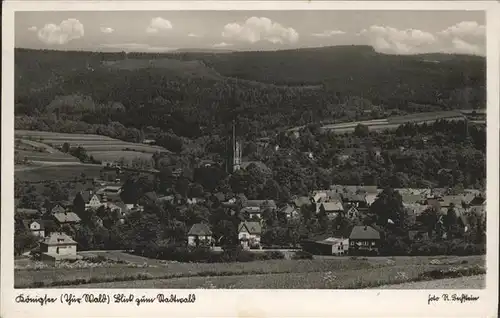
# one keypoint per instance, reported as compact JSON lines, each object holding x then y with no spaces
{"x":193,"y":94}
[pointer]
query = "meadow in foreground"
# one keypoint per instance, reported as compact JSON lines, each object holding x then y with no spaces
{"x":342,"y":272}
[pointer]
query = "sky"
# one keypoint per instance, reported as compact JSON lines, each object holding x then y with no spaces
{"x":392,"y":32}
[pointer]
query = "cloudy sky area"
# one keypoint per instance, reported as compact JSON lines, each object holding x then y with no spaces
{"x":394,"y":32}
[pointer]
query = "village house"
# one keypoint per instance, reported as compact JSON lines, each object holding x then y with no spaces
{"x":86,"y":200}
{"x":255,"y":207}
{"x":133,"y":208}
{"x":290,"y":212}
{"x":36,"y":227}
{"x":249,"y":234}
{"x":352,"y":213}
{"x":66,"y":218}
{"x":409,"y":198}
{"x":331,"y":209}
{"x":364,"y":240}
{"x":58,"y":246}
{"x":326,"y":245}
{"x":200,"y":235}
{"x":301,"y":201}
{"x":58,"y":208}
{"x":354,"y":199}
{"x":193,"y":201}
{"x":109,"y":192}
{"x":478,"y":200}
{"x":116,"y":207}
{"x":370,"y":198}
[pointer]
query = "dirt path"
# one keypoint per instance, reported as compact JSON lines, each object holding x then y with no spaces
{"x":468,"y":282}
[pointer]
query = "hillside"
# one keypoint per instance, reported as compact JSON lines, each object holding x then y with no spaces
{"x":195,"y":93}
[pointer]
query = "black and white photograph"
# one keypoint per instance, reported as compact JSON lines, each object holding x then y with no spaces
{"x":251,"y":149}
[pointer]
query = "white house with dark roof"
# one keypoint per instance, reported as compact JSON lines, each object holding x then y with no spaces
{"x":58,"y":246}
{"x":36,"y":227}
{"x":249,"y":234}
{"x":200,"y":234}
{"x":89,"y":198}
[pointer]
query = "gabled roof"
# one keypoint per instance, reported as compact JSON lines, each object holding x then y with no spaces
{"x":57,"y":238}
{"x":200,"y":229}
{"x":27,"y":223}
{"x":409,"y":198}
{"x":371,"y":197}
{"x":300,"y":201}
{"x":57,"y":207}
{"x":67,"y":217}
{"x":86,"y":195}
{"x":455,"y":199}
{"x":370,"y":189}
{"x":287,"y":209}
{"x":332,"y":206}
{"x":251,"y":227}
{"x":220,"y":196}
{"x":364,"y":233}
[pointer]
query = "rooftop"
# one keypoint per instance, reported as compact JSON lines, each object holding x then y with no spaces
{"x":364,"y":233}
{"x":59,"y":238}
{"x":251,"y":227}
{"x":67,"y":217}
{"x":200,"y":229}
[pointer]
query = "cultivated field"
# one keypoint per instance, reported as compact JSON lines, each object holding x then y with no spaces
{"x":342,"y":272}
{"x":87,"y":141}
{"x":57,"y":172}
{"x":391,"y":122}
{"x":38,"y":152}
{"x":395,"y":122}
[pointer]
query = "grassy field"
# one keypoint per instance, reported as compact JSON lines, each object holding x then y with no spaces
{"x":87,"y":141}
{"x":59,"y":172}
{"x":36,"y":156}
{"x":39,"y":152}
{"x":343,"y":272}
{"x":395,"y":122}
{"x":348,"y":279}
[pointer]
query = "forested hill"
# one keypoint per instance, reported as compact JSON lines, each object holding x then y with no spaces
{"x":192,"y":92}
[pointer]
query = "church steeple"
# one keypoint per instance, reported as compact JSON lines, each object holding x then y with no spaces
{"x":233,"y":149}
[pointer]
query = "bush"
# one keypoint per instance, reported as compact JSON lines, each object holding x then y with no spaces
{"x":302,"y":255}
{"x":269,"y":255}
{"x":455,"y":247}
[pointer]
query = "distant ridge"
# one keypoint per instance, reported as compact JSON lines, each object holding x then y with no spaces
{"x":366,"y":49}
